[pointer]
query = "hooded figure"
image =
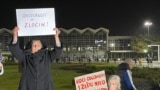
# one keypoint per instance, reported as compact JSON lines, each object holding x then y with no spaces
{"x":35,"y":61}
{"x":125,"y":73}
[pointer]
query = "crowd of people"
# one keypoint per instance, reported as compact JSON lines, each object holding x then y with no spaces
{"x":35,"y":61}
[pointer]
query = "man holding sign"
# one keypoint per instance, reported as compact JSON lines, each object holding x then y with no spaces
{"x":35,"y":61}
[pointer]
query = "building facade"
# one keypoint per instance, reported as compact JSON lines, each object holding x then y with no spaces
{"x":5,"y":34}
{"x":81,"y":44}
{"x":120,"y":47}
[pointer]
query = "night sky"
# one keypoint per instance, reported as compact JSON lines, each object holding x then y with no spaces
{"x":121,"y":17}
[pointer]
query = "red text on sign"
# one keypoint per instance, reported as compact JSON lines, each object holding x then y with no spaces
{"x":100,"y":82}
{"x":32,"y":25}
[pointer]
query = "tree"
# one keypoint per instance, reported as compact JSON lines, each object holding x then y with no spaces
{"x":139,"y":43}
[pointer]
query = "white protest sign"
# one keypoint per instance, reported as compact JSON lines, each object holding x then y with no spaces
{"x":93,"y":81}
{"x":36,"y":21}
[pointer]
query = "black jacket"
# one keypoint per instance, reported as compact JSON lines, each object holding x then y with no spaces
{"x":35,"y":67}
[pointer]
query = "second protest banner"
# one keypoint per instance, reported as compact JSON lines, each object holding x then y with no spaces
{"x":92,"y":81}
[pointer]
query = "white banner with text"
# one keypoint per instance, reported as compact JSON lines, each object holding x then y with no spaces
{"x":36,"y":21}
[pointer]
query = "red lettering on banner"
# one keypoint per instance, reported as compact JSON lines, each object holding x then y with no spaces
{"x":95,"y":77}
{"x":86,"y":85}
{"x":102,"y":89}
{"x":100,"y":82}
{"x":32,"y":25}
{"x":80,"y":80}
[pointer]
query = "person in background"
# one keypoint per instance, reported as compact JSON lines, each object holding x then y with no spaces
{"x":1,"y":69}
{"x":125,"y":73}
{"x":35,"y":61}
{"x":1,"y":64}
{"x":114,"y":82}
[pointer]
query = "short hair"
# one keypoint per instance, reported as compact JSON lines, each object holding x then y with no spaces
{"x":29,"y":44}
{"x":130,"y":62}
{"x":117,"y":78}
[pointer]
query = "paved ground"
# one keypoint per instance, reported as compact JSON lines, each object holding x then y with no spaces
{"x":154,"y":64}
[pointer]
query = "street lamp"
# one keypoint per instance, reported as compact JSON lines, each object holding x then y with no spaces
{"x":148,"y":24}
